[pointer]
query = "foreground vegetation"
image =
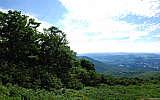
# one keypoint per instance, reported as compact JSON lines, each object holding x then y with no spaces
{"x":38,"y":65}
{"x":101,"y":92}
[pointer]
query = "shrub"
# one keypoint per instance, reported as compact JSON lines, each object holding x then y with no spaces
{"x":75,"y":84}
{"x":3,"y":90}
{"x":50,"y":82}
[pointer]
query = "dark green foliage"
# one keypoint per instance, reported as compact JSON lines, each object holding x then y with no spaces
{"x":18,"y":42}
{"x":50,"y":82}
{"x":33,"y":59}
{"x":121,"y":81}
{"x":55,"y":52}
{"x":92,"y":79}
{"x":3,"y":90}
{"x":87,"y":65}
{"x":101,"y":92}
{"x":75,"y":84}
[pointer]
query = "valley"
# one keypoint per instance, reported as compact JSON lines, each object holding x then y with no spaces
{"x":126,"y":64}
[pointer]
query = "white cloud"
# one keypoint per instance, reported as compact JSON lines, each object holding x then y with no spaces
{"x":89,"y":22}
{"x":42,"y":25}
{"x":101,"y":8}
{"x":91,"y":25}
{"x":117,"y":46}
{"x":3,"y":10}
{"x":156,"y":36}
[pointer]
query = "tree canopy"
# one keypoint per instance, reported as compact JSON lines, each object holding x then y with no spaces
{"x":34,"y":59}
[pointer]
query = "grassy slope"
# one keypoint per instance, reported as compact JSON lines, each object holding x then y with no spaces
{"x":102,"y":92}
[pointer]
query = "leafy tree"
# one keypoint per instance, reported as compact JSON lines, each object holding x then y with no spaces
{"x":34,"y":59}
{"x":26,"y":53}
{"x":17,"y":34}
{"x":17,"y":42}
{"x":87,"y":65}
{"x":56,"y":55}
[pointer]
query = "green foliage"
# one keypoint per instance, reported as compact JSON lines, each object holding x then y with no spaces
{"x":75,"y":84}
{"x":30,"y":58}
{"x":3,"y":91}
{"x":33,"y":59}
{"x":121,"y":81}
{"x":50,"y":82}
{"x":132,"y":92}
{"x":101,"y":92}
{"x":87,"y":65}
{"x":40,"y":65}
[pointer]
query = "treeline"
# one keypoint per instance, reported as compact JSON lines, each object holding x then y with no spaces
{"x":43,"y":60}
{"x":34,"y":59}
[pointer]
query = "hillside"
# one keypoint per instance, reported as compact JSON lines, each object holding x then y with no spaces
{"x":38,"y":65}
{"x":99,"y":66}
{"x":128,"y":64}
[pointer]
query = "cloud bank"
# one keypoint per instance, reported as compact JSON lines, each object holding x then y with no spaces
{"x":97,"y":25}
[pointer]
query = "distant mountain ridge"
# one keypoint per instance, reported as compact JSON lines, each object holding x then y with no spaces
{"x":124,"y":64}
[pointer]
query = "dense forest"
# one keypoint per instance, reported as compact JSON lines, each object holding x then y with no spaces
{"x":38,"y":65}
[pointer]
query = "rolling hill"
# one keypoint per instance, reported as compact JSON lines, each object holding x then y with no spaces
{"x":125,"y":64}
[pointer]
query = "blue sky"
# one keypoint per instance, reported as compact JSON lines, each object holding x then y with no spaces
{"x":98,"y":25}
{"x":45,"y":10}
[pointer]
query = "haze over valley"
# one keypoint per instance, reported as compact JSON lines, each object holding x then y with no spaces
{"x":125,"y":64}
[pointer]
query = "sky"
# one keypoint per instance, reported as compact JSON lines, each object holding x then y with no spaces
{"x":98,"y":25}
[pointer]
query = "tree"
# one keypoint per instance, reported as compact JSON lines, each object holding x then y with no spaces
{"x":55,"y":52}
{"x":34,"y":59}
{"x":17,"y":42}
{"x":17,"y":36}
{"x":87,"y":65}
{"x":26,"y":53}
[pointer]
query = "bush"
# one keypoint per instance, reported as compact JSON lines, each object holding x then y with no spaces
{"x":87,"y":65}
{"x":3,"y":90}
{"x":50,"y":82}
{"x":75,"y":84}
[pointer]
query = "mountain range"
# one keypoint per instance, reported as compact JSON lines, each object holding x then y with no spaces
{"x":125,"y":64}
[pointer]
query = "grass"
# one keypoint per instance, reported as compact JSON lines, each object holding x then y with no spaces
{"x":102,"y":92}
{"x":105,"y":92}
